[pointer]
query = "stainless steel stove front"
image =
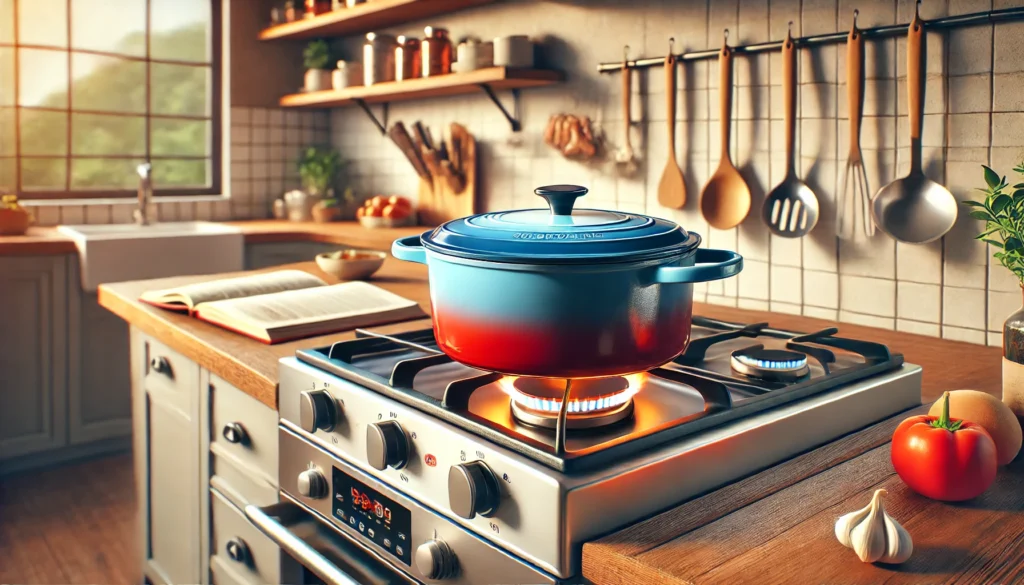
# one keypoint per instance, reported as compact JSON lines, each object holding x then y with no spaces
{"x":545,"y":516}
{"x":395,"y":528}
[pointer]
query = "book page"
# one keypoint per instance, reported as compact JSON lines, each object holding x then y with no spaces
{"x":233,"y":288}
{"x":310,"y":305}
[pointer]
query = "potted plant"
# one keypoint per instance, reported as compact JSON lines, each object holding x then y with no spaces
{"x":1002,"y":210}
{"x":14,"y":219}
{"x":318,"y":168}
{"x":317,"y":58}
{"x":326,"y":210}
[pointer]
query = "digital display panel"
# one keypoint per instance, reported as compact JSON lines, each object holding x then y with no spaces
{"x":375,"y":516}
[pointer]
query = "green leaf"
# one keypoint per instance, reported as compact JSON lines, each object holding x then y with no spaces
{"x":1012,"y":245}
{"x":1001,"y":202}
{"x":994,"y":243}
{"x":981,"y":214}
{"x":970,"y":203}
{"x":991,"y":177}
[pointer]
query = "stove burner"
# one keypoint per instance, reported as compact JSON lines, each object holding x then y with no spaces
{"x":593,"y":402}
{"x":770,"y":364}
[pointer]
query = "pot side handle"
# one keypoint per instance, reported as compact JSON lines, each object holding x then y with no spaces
{"x":711,"y":265}
{"x":410,"y":249}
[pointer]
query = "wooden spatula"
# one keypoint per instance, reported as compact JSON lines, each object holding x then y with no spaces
{"x":671,"y":189}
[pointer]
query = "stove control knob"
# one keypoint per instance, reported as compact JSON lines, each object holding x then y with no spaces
{"x":472,"y":490}
{"x":312,"y":484}
{"x":436,"y":560}
{"x":386,"y":445}
{"x":318,"y":411}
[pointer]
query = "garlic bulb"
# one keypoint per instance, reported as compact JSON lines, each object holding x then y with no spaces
{"x":874,"y":535}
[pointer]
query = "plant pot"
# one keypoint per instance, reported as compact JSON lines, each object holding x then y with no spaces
{"x":323,"y":214}
{"x":14,"y":222}
{"x":1013,"y":362}
{"x":317,"y":79}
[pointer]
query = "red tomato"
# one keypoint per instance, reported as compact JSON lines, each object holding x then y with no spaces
{"x":944,"y":459}
{"x":393,"y":211}
{"x":379,"y":201}
{"x":399,"y":200}
{"x":374,"y":211}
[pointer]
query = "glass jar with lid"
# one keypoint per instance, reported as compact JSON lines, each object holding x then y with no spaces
{"x":378,"y":58}
{"x":436,"y":52}
{"x":407,"y":58}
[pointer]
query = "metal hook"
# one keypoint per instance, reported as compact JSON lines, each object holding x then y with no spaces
{"x":671,"y":44}
{"x":727,"y":35}
{"x":856,"y":13}
{"x":625,"y":54}
{"x":789,"y":30}
{"x":917,"y":9}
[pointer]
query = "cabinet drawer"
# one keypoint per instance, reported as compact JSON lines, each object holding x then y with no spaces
{"x":260,"y":559}
{"x":170,"y":375}
{"x":243,"y":429}
{"x":238,"y":486}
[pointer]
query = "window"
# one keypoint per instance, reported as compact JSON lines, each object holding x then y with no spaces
{"x":91,"y":88}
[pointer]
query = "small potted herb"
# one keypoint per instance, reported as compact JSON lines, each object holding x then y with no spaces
{"x":318,"y":168}
{"x":317,"y":59}
{"x":14,"y":219}
{"x":326,"y":210}
{"x":1002,"y":210}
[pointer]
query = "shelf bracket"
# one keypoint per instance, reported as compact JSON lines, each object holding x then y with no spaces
{"x":381,"y":125}
{"x":513,"y":119}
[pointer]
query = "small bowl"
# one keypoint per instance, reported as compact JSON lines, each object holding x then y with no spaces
{"x":372,"y":222}
{"x":351,"y":264}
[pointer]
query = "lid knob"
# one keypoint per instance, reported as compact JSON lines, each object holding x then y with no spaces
{"x":561,"y":198}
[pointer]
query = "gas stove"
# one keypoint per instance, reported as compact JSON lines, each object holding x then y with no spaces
{"x":502,"y":479}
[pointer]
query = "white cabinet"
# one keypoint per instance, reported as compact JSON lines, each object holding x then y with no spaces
{"x":270,"y":254}
{"x":33,"y":349}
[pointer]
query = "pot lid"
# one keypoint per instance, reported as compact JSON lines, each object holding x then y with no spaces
{"x":560,"y":234}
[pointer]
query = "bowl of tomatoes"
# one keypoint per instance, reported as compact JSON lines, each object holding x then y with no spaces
{"x":383,"y":211}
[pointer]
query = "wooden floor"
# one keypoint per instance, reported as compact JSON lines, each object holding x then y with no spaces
{"x":74,"y":524}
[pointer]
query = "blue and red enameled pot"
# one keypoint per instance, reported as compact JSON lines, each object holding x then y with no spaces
{"x":563,"y":293}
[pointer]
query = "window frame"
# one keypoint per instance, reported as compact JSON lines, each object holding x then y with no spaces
{"x":217,"y":115}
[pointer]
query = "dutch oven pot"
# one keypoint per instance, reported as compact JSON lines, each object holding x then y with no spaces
{"x":566,"y":293}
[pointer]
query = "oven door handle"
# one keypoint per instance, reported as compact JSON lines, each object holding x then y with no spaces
{"x":263,"y":518}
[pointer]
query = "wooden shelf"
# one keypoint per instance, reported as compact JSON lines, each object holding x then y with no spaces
{"x":497,"y":78}
{"x":371,"y":15}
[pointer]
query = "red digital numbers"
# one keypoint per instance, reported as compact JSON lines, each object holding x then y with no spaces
{"x":363,"y":502}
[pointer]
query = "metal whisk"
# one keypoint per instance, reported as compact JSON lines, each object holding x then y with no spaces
{"x":855,"y":184}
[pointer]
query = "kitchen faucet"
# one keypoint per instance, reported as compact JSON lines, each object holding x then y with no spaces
{"x":141,"y":214}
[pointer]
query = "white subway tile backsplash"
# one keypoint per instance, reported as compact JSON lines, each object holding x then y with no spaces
{"x":821,"y":289}
{"x":786,"y":284}
{"x":919,"y":302}
{"x":867,"y":296}
{"x":820,"y":313}
{"x":1000,"y":306}
{"x":788,"y":308}
{"x":970,"y":50}
{"x":975,"y":336}
{"x":867,"y":320}
{"x":930,"y":329}
{"x":874,"y":257}
{"x":1009,"y":47}
{"x":1008,"y":92}
{"x":963,"y":307}
{"x":919,"y":262}
{"x":721,"y":300}
{"x":1000,"y":279}
{"x":994,"y":338}
{"x":753,"y":280}
{"x":752,"y":304}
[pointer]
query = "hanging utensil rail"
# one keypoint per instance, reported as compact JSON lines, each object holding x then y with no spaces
{"x":973,"y":19}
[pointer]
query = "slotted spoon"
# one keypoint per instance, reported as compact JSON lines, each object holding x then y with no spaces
{"x":791,"y":209}
{"x":855,"y":195}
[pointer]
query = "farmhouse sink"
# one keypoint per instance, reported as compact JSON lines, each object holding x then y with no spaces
{"x":118,"y":252}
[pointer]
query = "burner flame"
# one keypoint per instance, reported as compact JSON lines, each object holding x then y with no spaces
{"x":586,"y":404}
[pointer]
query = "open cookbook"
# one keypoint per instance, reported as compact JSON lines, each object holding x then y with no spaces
{"x":285,"y":305}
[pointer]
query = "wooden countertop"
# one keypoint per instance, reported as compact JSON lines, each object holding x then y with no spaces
{"x":777,"y":526}
{"x":47,"y":241}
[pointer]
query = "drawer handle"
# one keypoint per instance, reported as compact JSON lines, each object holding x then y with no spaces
{"x":237,"y":550}
{"x":295,"y":547}
{"x":235,"y":433}
{"x":161,"y":365}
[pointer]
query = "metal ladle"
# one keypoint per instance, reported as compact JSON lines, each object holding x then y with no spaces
{"x":915,"y":209}
{"x":791,"y":209}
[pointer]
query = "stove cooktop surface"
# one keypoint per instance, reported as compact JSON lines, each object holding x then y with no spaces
{"x":702,"y":388}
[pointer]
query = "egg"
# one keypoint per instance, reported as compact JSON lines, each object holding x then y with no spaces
{"x":989,"y":412}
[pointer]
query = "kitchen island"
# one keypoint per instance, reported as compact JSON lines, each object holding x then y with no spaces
{"x":727,"y":536}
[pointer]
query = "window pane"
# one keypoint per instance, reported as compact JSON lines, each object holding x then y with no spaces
{"x":6,"y":76}
{"x":43,"y":174}
{"x":43,"y":22}
{"x":6,"y":21}
{"x":7,"y":178}
{"x":180,"y":173}
{"x":103,"y":173}
{"x":94,"y":134}
{"x":7,"y":131}
{"x":43,"y":78}
{"x":108,"y":84}
{"x":43,"y":132}
{"x":180,"y":30}
{"x":179,"y":137}
{"x":112,"y":26}
{"x":180,"y":89}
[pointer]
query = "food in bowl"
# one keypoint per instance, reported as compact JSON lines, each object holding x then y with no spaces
{"x":381,"y":211}
{"x":351,"y":264}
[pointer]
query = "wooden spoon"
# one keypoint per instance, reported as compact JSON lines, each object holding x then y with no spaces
{"x":725,"y":201}
{"x":671,"y":189}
